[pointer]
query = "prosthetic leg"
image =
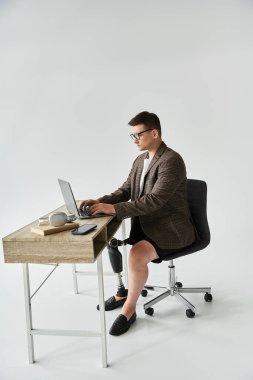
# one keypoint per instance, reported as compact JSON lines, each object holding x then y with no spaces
{"x":116,"y":263}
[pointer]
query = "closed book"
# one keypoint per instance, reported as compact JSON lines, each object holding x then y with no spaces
{"x":48,"y":229}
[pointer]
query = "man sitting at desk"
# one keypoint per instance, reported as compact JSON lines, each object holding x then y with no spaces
{"x":159,"y":212}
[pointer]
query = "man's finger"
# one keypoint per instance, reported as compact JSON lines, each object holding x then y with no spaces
{"x":92,"y":209}
{"x":95,"y":210}
{"x":82,"y":204}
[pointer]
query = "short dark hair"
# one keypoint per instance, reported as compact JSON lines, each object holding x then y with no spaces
{"x":150,"y":120}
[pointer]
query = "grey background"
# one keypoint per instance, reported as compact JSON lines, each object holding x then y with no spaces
{"x":72,"y":74}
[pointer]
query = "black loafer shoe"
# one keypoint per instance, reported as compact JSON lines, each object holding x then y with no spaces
{"x":121,"y":324}
{"x":111,"y":303}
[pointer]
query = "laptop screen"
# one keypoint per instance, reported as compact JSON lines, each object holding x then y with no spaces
{"x":68,"y":197}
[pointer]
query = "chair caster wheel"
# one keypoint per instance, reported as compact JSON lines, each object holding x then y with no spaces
{"x":149,"y":311}
{"x":179,"y":284}
{"x":144,"y":293}
{"x":208,"y":297}
{"x":190,"y":313}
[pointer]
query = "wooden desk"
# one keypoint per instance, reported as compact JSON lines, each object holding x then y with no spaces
{"x":24,"y":246}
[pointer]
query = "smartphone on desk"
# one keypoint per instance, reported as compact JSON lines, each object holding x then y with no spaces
{"x":84,"y":229}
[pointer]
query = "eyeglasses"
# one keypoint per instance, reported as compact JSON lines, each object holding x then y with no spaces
{"x":136,"y":136}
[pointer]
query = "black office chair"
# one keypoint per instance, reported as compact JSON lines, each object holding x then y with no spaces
{"x":197,"y":199}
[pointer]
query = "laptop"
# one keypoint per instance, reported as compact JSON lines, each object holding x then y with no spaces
{"x":71,"y":205}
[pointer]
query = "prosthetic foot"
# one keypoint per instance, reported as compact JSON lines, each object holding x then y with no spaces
{"x":116,"y":263}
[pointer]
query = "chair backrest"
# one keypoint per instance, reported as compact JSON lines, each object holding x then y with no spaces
{"x":197,"y":200}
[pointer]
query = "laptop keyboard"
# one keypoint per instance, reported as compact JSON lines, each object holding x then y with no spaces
{"x":83,"y":212}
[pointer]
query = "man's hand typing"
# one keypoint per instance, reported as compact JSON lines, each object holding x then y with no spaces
{"x":104,"y":208}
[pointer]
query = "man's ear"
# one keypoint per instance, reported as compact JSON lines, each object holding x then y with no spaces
{"x":155,"y":132}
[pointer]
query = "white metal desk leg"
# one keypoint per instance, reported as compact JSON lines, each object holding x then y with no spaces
{"x":102,"y":309}
{"x":28,"y":312}
{"x":125,"y":267}
{"x":74,"y":278}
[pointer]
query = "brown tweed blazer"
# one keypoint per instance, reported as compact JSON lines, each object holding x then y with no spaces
{"x":162,"y":206}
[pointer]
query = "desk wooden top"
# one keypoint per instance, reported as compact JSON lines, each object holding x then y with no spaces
{"x":24,"y":246}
